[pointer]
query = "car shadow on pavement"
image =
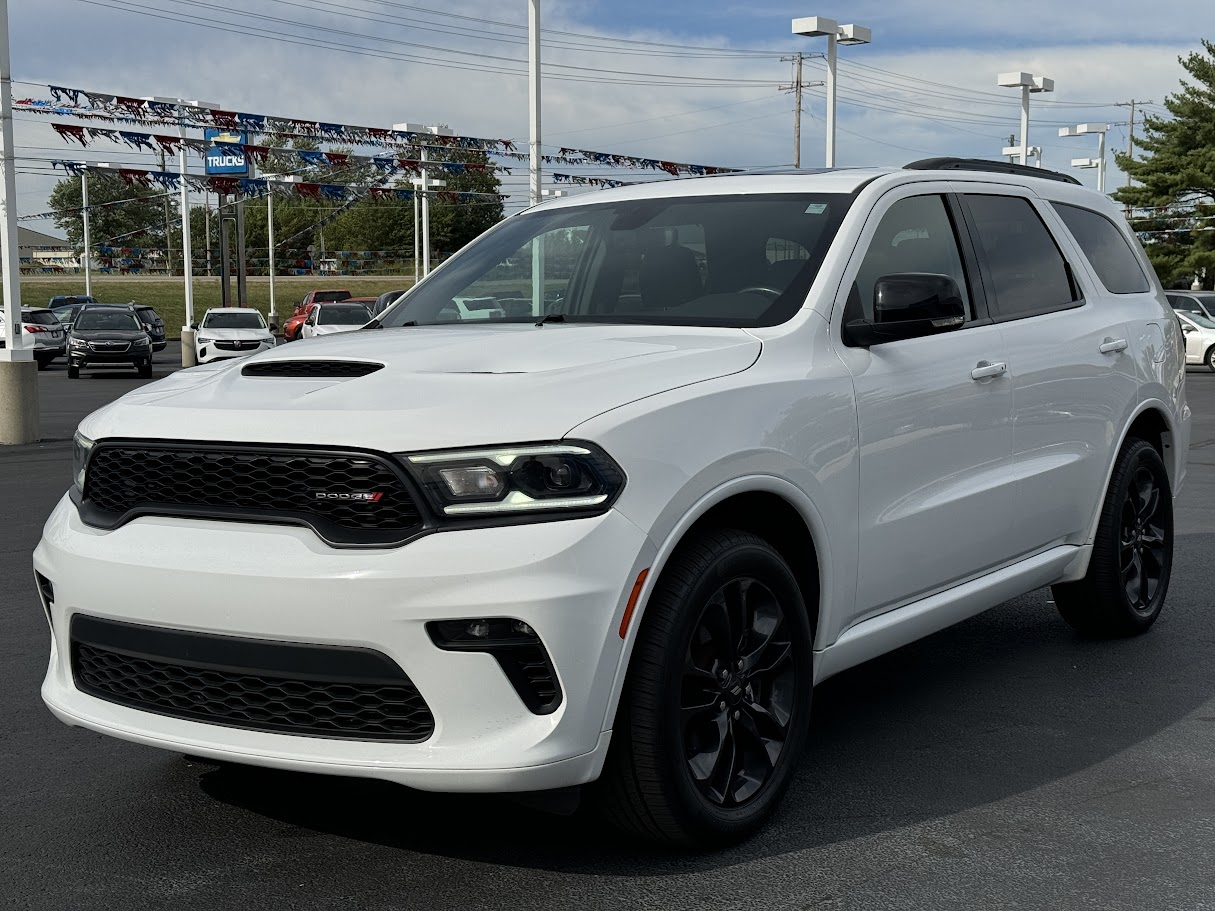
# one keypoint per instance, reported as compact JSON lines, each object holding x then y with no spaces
{"x":1004,"y":703}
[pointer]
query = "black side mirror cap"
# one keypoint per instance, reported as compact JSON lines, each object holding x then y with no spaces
{"x":909,"y":305}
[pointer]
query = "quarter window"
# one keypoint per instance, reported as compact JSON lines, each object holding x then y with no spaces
{"x":1029,"y":275}
{"x":1106,"y":248}
{"x":915,"y":235}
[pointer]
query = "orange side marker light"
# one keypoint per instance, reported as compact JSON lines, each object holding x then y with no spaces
{"x":632,"y":605}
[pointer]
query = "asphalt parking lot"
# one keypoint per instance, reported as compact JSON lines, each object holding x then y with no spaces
{"x":1003,"y":763}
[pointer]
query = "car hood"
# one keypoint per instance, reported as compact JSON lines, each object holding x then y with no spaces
{"x":234,"y":335}
{"x":438,"y":387}
{"x":108,"y":335}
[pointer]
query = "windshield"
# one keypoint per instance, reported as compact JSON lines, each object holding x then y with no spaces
{"x":321,"y":296}
{"x":245,"y":320}
{"x":114,"y":321}
{"x":1200,"y":319}
{"x":343,"y":316}
{"x":42,"y":317}
{"x":740,"y":260}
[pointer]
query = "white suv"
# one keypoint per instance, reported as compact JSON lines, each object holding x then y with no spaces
{"x":228,"y":332}
{"x":769,"y":426}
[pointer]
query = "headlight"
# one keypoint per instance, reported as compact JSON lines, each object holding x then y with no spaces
{"x":78,"y":343}
{"x":141,"y":341}
{"x":204,"y":341}
{"x":568,"y":477}
{"x":82,"y":446}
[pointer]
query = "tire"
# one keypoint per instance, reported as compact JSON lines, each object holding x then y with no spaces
{"x":649,"y":788}
{"x":1128,"y":574}
{"x":145,"y":369}
{"x":43,"y":363}
{"x":73,"y":372}
{"x":1210,"y":358}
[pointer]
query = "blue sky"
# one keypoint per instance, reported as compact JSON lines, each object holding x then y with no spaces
{"x":926,"y":86}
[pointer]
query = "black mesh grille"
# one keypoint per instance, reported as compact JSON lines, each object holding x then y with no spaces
{"x":312,"y":369}
{"x":239,"y":345}
{"x":293,"y":698}
{"x":346,"y":498}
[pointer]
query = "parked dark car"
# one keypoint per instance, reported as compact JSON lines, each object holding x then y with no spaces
{"x":63,"y":300}
{"x":108,"y":336}
{"x":153,"y":325}
{"x":384,"y":301}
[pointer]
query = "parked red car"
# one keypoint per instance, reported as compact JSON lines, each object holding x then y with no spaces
{"x":291,"y":328}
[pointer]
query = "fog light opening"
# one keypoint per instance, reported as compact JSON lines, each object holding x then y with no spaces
{"x":516,"y":647}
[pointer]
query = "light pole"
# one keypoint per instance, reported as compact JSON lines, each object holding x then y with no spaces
{"x":533,"y":97}
{"x":425,"y":184}
{"x":817,"y":27}
{"x":1082,"y":129}
{"x":84,"y":214}
{"x":283,"y":178}
{"x":188,"y":356}
{"x":1029,"y":84}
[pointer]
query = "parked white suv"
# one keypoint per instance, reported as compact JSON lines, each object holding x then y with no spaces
{"x":781,"y":423}
{"x":228,"y":332}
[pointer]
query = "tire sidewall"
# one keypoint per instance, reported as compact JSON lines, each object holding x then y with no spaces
{"x":760,"y":562}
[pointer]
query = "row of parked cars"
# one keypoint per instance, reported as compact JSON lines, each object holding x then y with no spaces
{"x":110,"y":334}
{"x":328,"y":311}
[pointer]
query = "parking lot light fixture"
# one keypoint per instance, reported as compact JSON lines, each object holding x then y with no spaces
{"x":425,"y":184}
{"x":1029,"y":84}
{"x":820,"y":27}
{"x":1084,"y":129}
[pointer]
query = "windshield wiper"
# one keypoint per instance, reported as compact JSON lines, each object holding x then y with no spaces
{"x":552,"y":318}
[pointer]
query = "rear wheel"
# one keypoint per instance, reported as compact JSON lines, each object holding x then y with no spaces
{"x":716,"y":706}
{"x":43,"y":363}
{"x":1210,"y":358}
{"x":1128,"y":574}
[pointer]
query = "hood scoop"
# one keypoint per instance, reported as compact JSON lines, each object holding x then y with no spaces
{"x":312,"y":370}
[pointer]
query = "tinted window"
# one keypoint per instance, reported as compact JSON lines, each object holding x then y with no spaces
{"x":343,"y":316}
{"x":1106,"y":248}
{"x":915,"y":235}
{"x":698,"y":261}
{"x":112,"y":320}
{"x":320,"y":296}
{"x":1028,"y":272}
{"x":1201,"y":319}
{"x":147,"y":314}
{"x":42,"y":317}
{"x":219,"y":320}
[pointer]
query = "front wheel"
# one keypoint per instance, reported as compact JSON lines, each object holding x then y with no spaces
{"x":1210,"y":359}
{"x":717,"y":702}
{"x":145,"y":369}
{"x":73,"y":372}
{"x":1128,"y":574}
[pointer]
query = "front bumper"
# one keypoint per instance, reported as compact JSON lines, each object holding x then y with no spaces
{"x":569,"y":580}
{"x":82,"y":358}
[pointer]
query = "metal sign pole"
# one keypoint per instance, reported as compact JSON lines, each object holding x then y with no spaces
{"x":225,"y":266}
{"x":88,"y":246}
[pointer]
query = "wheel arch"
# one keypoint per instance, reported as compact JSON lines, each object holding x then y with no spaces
{"x":797,"y":523}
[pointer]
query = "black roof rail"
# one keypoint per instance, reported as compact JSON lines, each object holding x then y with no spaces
{"x":980,"y":164}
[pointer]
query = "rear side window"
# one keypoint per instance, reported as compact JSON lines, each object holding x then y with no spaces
{"x":1029,"y":275}
{"x":147,"y":314}
{"x":1106,"y":248}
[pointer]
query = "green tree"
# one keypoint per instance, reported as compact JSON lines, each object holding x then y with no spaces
{"x":119,"y":216}
{"x":1177,"y":178}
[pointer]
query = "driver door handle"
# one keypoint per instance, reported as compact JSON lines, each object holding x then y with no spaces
{"x":1113,"y":345}
{"x":985,"y":370}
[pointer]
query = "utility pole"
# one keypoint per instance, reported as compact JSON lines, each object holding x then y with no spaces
{"x":796,"y":88}
{"x":1012,"y":139}
{"x":1130,"y":138}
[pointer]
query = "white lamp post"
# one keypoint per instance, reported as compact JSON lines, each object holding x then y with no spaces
{"x":1082,"y":129}
{"x":425,"y":184}
{"x":278,"y":178}
{"x":1028,"y":83}
{"x":815,"y":27}
{"x":533,"y":98}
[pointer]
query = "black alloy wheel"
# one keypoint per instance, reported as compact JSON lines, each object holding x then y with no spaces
{"x":1141,"y":556}
{"x":737,"y":697}
{"x":1128,"y":574}
{"x":716,"y":706}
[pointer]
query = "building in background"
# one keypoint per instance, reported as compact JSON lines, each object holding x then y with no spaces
{"x":45,"y":253}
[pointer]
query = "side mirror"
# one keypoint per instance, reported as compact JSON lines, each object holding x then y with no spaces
{"x":910,"y":305}
{"x":274,"y":327}
{"x":194,"y":326}
{"x":1188,"y":329}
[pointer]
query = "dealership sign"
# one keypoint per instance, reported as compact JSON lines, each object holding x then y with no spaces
{"x":229,"y":159}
